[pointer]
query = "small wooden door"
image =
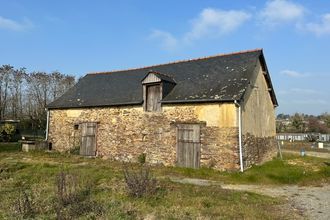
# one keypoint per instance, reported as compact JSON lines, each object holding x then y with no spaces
{"x":88,"y":139}
{"x":188,"y":145}
{"x":153,"y":98}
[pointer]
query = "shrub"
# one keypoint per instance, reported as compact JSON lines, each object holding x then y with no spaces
{"x":139,"y":181}
{"x":72,"y":200}
{"x":312,"y":137}
{"x":24,"y":204}
{"x":75,"y":150}
{"x":66,"y":185}
{"x":7,"y":131}
{"x":142,"y":158}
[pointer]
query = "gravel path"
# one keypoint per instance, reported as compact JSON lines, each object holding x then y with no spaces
{"x":312,"y":202}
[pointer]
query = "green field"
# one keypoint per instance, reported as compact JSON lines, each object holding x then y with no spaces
{"x":29,"y":188}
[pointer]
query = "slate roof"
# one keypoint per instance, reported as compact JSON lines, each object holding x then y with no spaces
{"x":211,"y":79}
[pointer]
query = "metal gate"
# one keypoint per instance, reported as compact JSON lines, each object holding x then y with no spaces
{"x":188,"y":145}
{"x":88,"y":139}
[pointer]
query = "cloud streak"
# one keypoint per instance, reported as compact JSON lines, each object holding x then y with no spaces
{"x":299,"y":91}
{"x":310,"y":102}
{"x":293,"y":74}
{"x":9,"y":24}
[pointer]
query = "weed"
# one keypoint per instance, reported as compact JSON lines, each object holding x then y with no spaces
{"x":142,"y":158}
{"x":66,"y":188}
{"x":75,"y":150}
{"x":139,"y":181}
{"x":72,"y":200}
{"x":24,"y":204}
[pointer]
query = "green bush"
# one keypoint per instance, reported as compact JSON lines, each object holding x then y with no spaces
{"x":142,"y":158}
{"x":7,"y":131}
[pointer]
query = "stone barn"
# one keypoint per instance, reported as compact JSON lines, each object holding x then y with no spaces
{"x":215,"y":111}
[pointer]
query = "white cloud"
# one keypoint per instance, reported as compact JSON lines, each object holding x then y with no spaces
{"x":12,"y":25}
{"x":294,"y":74}
{"x":322,"y":28}
{"x":168,"y":41}
{"x":214,"y":22}
{"x":209,"y":23}
{"x":281,"y":11}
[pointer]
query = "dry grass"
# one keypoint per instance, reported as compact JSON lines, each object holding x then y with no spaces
{"x":105,"y":183}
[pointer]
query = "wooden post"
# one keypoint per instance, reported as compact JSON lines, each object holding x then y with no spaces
{"x":279,"y":149}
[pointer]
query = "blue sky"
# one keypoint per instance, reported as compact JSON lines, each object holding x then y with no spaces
{"x":77,"y":37}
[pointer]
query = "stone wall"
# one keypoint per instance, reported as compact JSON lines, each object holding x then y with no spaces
{"x":257,"y":150}
{"x":124,"y":133}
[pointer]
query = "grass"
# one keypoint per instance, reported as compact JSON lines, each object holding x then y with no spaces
{"x":291,"y":170}
{"x":10,"y":147}
{"x":35,"y":172}
{"x":307,"y":146}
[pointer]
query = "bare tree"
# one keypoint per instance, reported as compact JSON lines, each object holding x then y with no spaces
{"x":5,"y":80}
{"x":38,"y":95}
{"x":60,"y":83}
{"x":25,"y":95}
{"x":16,"y":92}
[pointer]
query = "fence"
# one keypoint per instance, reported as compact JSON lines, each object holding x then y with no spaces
{"x":301,"y":136}
{"x":32,"y":134}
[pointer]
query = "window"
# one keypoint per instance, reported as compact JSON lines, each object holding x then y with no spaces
{"x":155,"y":87}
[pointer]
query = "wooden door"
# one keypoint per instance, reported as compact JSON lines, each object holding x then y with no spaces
{"x":88,"y":139}
{"x":153,"y":98}
{"x":188,"y":145}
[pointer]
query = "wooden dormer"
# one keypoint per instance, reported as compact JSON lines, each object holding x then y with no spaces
{"x":155,"y":87}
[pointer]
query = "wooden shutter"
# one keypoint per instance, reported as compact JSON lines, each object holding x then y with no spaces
{"x":188,"y":145}
{"x":88,"y":139}
{"x":153,"y":98}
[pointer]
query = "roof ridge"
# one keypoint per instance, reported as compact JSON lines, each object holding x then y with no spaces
{"x":159,"y":73}
{"x":178,"y":61}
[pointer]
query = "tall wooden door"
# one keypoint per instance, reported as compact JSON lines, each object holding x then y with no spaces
{"x":188,"y":145}
{"x":88,"y":139}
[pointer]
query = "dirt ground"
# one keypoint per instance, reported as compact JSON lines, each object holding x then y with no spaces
{"x":311,"y":202}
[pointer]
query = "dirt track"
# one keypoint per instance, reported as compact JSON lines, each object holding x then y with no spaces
{"x":311,"y":202}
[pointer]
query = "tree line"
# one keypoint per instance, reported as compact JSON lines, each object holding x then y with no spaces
{"x":25,"y":95}
{"x":303,"y":123}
